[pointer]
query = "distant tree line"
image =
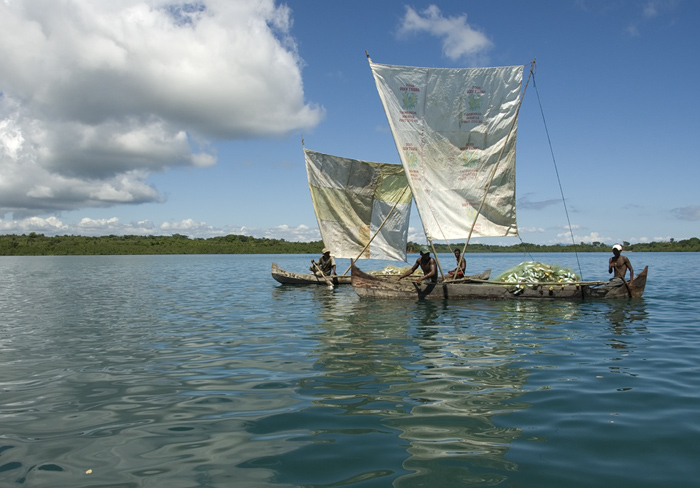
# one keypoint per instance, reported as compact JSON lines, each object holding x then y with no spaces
{"x":40,"y":245}
{"x":686,"y":245}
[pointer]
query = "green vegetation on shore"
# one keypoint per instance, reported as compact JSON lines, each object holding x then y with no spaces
{"x":686,"y":245}
{"x":39,"y":245}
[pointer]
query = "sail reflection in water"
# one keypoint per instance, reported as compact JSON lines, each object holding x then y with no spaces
{"x":469,"y":379}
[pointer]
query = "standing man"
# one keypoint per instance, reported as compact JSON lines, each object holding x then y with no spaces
{"x":426,"y":263}
{"x":620,"y":264}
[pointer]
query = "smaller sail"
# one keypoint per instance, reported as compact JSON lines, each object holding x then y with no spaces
{"x":362,"y":208}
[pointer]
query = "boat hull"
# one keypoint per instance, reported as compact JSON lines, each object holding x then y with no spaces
{"x":291,"y":278}
{"x":368,"y":286}
{"x":620,"y":289}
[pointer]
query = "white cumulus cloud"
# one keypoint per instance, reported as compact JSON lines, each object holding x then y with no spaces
{"x":459,"y":39}
{"x":95,"y":95}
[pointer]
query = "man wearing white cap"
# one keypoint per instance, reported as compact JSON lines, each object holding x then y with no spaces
{"x":619,"y":263}
{"x":325,"y":262}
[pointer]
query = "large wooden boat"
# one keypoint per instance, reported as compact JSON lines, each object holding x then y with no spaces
{"x":455,"y":132}
{"x":477,"y":287}
{"x":291,"y":278}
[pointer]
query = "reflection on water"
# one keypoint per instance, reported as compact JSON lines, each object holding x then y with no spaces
{"x":186,"y":372}
{"x":625,"y":315}
{"x":417,"y":377}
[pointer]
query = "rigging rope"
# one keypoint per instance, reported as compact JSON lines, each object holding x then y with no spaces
{"x":556,"y":170}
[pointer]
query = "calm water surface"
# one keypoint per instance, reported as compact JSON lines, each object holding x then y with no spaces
{"x":202,"y":371}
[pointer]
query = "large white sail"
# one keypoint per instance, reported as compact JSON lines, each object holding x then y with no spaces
{"x":452,"y":128}
{"x":352,"y":200}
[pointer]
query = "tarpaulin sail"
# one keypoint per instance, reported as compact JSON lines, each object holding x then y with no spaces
{"x":352,"y":200}
{"x":455,"y":131}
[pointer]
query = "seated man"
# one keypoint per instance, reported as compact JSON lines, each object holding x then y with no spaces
{"x":458,"y":272}
{"x":326,"y":263}
{"x":426,"y":263}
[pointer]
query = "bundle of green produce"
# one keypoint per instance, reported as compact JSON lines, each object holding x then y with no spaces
{"x":534,"y":272}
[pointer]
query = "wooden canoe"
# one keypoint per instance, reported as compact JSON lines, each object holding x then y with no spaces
{"x":474,"y":287}
{"x":291,"y":278}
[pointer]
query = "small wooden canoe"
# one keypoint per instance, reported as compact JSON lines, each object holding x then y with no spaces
{"x":291,"y":278}
{"x":475,"y":287}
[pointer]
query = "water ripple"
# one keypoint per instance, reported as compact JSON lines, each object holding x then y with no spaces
{"x":138,"y":371}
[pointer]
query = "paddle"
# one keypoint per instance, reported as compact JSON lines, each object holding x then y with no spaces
{"x":326,"y":279}
{"x":629,"y":292}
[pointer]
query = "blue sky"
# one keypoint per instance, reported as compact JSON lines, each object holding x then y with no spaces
{"x":154,"y":117}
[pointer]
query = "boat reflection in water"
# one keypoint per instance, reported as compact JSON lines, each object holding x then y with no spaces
{"x":450,"y":386}
{"x":415,"y":376}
